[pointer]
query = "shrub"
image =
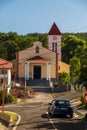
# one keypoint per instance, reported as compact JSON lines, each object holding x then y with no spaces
{"x":82,"y":100}
{"x":8,"y":98}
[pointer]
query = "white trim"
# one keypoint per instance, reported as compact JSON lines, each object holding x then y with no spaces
{"x":32,"y":71}
{"x":28,"y":70}
{"x":9,"y":76}
{"x":25,"y":73}
{"x":47,"y":70}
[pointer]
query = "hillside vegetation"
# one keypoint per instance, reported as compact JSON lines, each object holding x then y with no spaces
{"x":74,"y":49}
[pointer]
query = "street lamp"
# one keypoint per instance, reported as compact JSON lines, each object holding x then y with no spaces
{"x":20,"y":73}
{"x":14,"y":82}
{"x":25,"y":73}
{"x":3,"y":91}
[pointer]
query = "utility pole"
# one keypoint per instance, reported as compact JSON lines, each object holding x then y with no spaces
{"x":56,"y":61}
{"x":3,"y":92}
{"x":15,"y":82}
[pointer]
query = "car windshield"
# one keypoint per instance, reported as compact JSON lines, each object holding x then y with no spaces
{"x":62,"y":103}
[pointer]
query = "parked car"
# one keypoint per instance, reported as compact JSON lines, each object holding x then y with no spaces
{"x":60,"y":106}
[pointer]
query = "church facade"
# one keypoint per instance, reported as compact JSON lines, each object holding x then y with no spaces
{"x":38,"y":62}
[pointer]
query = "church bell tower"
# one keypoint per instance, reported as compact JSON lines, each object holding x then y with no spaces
{"x":54,"y":40}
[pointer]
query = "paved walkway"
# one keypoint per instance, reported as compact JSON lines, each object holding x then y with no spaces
{"x":41,"y":97}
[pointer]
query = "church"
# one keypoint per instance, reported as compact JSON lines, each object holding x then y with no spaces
{"x":38,"y":65}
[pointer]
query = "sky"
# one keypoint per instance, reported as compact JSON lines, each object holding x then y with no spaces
{"x":37,"y":16}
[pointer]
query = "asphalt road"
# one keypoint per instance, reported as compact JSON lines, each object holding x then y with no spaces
{"x":34,"y":115}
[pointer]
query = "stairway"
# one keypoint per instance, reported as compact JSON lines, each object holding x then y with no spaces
{"x":37,"y":82}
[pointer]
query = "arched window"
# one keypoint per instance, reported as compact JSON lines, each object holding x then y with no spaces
{"x":54,"y":47}
{"x":37,"y":49}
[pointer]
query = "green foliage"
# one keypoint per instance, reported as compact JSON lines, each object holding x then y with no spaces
{"x":11,"y":42}
{"x":8,"y":98}
{"x":82,"y":54}
{"x":71,"y":45}
{"x":74,"y":51}
{"x":78,"y":35}
{"x":12,"y":115}
{"x":75,"y":66}
{"x":82,"y":99}
{"x":64,"y":77}
{"x":83,"y":75}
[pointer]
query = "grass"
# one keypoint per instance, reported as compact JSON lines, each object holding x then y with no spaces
{"x":12,"y":115}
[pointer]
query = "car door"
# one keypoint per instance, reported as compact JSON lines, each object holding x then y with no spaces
{"x":52,"y":107}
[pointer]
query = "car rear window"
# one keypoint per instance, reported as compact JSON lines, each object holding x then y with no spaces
{"x":62,"y":103}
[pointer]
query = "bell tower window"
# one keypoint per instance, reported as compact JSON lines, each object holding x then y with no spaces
{"x":37,"y":49}
{"x":54,"y":47}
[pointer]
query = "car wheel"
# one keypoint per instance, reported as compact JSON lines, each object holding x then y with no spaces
{"x":71,"y":116}
{"x":48,"y":113}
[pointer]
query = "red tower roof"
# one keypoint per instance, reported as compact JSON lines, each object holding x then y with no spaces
{"x":54,"y":30}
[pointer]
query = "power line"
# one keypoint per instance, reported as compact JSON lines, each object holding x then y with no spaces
{"x":80,"y":28}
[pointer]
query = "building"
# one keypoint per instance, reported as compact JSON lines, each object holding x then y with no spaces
{"x":54,"y":44}
{"x":36,"y":63}
{"x":39,"y":64}
{"x":54,"y":40}
{"x":5,"y":71}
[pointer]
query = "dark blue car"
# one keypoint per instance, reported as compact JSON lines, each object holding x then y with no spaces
{"x":60,"y":106}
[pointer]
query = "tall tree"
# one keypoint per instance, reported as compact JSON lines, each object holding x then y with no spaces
{"x":75,"y":66}
{"x":71,"y":43}
{"x":11,"y":49}
{"x":83,"y":70}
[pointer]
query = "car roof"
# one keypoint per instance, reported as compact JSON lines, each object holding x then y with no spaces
{"x":61,"y":99}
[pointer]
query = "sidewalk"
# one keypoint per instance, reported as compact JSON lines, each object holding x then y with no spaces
{"x":80,"y":110}
{"x":3,"y":127}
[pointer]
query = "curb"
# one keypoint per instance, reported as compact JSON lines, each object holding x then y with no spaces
{"x":13,"y":125}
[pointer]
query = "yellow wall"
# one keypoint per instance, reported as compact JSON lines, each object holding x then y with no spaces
{"x":63,"y":67}
{"x":43,"y":52}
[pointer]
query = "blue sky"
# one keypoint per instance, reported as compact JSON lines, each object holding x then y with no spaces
{"x":30,"y":16}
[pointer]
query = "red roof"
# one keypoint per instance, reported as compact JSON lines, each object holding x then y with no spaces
{"x":54,"y":30}
{"x":5,"y":64}
{"x":38,"y":58}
